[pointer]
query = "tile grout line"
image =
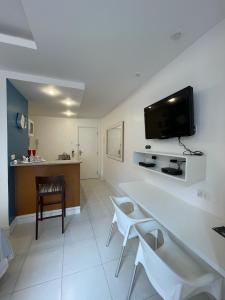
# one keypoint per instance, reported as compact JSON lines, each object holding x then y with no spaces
{"x":95,"y":238}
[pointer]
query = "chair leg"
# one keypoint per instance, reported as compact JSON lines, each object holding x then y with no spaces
{"x":41,"y":207}
{"x":122,"y":251}
{"x":156,"y":240}
{"x":37,"y":213}
{"x":120,"y":261}
{"x":110,"y":235}
{"x":132,"y":282}
{"x":63,"y":213}
{"x":64,"y":204}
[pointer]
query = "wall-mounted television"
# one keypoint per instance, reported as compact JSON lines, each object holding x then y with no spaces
{"x":170,"y":117}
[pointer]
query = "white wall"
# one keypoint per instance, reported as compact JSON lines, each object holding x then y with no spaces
{"x":3,"y":154}
{"x":57,"y":135}
{"x":203,"y":67}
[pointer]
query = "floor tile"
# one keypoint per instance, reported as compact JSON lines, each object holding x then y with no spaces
{"x":80,"y":256}
{"x":49,"y":237}
{"x":76,"y":232}
{"x":8,"y":281}
{"x":47,"y":291}
{"x":113,"y":250}
{"x":21,"y":244}
{"x":119,"y":286}
{"x":87,"y":285}
{"x":24,"y":229}
{"x":40,"y":266}
{"x":98,"y":211}
{"x":101,"y":227}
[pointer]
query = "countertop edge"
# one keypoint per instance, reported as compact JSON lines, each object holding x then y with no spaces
{"x":47,"y":163}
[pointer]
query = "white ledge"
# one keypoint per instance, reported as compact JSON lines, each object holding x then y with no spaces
{"x":17,"y":41}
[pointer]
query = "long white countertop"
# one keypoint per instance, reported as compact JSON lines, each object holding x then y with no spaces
{"x":189,"y":224}
{"x":47,"y":163}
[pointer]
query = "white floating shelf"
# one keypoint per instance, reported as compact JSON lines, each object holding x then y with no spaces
{"x":193,"y":168}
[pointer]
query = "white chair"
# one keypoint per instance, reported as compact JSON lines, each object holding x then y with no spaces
{"x":127,"y":214}
{"x":173,"y":273}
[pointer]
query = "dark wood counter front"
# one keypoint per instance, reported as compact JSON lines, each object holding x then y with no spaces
{"x":26,"y":190}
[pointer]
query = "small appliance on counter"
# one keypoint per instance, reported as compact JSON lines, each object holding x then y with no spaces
{"x":64,"y":156}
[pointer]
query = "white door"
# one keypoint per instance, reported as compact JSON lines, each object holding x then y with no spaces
{"x":88,"y":151}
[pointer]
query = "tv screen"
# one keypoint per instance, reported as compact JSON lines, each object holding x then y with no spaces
{"x":170,"y":117}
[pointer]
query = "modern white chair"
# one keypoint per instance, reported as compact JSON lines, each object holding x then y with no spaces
{"x":127,"y":214}
{"x":171,"y":270}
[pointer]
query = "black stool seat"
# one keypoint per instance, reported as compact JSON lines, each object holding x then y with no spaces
{"x":46,"y":186}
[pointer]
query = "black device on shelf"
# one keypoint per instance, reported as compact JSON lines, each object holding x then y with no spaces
{"x":170,"y":117}
{"x":147,"y":165}
{"x":172,"y":171}
{"x":220,"y":230}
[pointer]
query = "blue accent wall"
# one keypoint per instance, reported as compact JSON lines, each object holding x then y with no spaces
{"x":17,"y":139}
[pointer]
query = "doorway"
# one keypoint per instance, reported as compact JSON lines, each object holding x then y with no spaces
{"x":88,"y":151}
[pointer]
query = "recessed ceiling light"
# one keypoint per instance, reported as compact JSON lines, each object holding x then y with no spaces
{"x":51,"y":91}
{"x":69,"y":113}
{"x":172,"y":100}
{"x":176,"y":36}
{"x":69,"y":102}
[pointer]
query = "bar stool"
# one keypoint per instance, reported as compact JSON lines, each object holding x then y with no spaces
{"x":46,"y":186}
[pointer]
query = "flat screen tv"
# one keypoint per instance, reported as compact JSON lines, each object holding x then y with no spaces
{"x":170,"y":117}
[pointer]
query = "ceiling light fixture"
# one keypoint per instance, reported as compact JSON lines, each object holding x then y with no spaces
{"x":172,"y":100}
{"x":51,"y":91}
{"x":69,"y":102}
{"x":69,"y":113}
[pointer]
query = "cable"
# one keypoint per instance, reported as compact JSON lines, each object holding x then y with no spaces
{"x":188,"y":151}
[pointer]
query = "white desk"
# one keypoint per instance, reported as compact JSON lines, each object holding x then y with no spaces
{"x":191,"y":225}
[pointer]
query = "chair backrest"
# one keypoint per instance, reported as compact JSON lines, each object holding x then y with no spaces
{"x":48,"y":184}
{"x":122,"y":207}
{"x":162,"y":277}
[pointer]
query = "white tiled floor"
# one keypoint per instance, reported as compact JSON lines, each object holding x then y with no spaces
{"x":76,"y":265}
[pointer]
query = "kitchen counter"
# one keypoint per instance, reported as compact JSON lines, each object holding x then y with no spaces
{"x":25,"y":187}
{"x":47,"y":163}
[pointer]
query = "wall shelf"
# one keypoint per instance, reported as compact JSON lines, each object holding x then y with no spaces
{"x":194,"y":167}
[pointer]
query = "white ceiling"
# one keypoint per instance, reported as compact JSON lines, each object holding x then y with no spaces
{"x":43,"y":104}
{"x":103,"y":43}
{"x":13,"y":20}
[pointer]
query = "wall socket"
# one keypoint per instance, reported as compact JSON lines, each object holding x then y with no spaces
{"x":201,"y":194}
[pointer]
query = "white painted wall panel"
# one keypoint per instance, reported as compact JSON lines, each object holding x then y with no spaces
{"x":203,"y":67}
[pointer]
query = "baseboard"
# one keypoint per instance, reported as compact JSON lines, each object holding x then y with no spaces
{"x":12,"y":225}
{"x":117,"y":189}
{"x":31,"y":217}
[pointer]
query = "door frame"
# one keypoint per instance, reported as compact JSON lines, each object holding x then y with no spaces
{"x":97,"y":138}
